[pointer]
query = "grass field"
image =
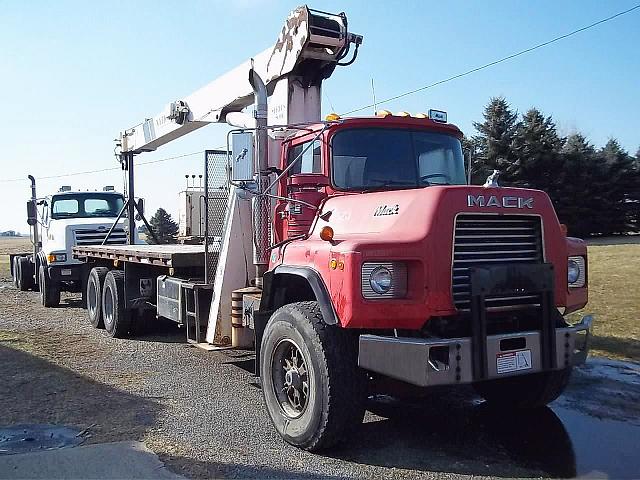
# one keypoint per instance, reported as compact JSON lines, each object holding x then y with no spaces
{"x":614,"y":294}
{"x":11,"y":245}
{"x":614,"y":299}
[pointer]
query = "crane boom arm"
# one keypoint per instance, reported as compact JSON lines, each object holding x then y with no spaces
{"x":310,"y":45}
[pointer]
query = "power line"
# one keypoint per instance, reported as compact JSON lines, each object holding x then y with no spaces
{"x":63,"y":175}
{"x":495,"y":62}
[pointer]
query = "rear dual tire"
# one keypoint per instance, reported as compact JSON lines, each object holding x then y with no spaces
{"x":23,"y":273}
{"x":116,"y":317}
{"x":95,"y":283}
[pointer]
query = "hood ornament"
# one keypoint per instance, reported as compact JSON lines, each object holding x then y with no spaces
{"x":492,"y":180}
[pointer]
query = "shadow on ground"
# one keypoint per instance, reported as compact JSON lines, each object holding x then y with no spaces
{"x":620,"y":347}
{"x":450,"y":431}
{"x":35,"y":391}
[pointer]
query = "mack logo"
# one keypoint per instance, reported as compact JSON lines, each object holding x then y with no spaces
{"x":503,"y":202}
{"x":387,"y":210}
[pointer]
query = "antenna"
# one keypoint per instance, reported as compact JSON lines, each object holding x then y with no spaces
{"x":373,"y":91}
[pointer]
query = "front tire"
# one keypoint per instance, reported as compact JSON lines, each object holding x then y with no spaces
{"x":525,"y":391}
{"x":93,"y":294}
{"x":49,"y":291}
{"x":312,"y":387}
{"x":116,"y":317}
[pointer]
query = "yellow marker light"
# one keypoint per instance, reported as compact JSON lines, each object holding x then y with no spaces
{"x":332,"y":117}
{"x":383,"y":113}
{"x":403,"y":114}
{"x":340,"y":265}
{"x":421,"y":115}
{"x":326,"y":234}
{"x":333,"y":264}
{"x":51,"y":258}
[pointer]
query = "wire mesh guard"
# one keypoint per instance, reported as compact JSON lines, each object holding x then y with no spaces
{"x":216,"y":204}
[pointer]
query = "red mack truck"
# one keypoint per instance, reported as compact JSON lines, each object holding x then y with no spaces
{"x":350,"y":252}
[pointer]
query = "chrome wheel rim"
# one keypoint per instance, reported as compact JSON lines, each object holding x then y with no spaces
{"x":290,"y":376}
{"x":92,"y":299}
{"x":108,"y":305}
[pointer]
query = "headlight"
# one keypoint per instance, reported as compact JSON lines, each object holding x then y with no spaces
{"x":56,"y":257}
{"x":384,"y":280}
{"x":576,"y":272}
{"x":381,"y":280}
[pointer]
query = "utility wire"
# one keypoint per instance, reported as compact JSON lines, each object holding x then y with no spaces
{"x":105,"y":169}
{"x":387,"y":100}
{"x":495,"y":62}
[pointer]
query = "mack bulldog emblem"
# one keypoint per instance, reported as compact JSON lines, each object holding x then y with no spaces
{"x":500,"y":202}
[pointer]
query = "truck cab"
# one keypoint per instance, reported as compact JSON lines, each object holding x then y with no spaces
{"x":429,"y":281}
{"x":69,"y":218}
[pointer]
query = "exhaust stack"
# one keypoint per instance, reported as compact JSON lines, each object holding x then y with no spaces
{"x":34,"y":200}
{"x":260,"y":204}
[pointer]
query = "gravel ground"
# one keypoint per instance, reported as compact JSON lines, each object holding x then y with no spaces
{"x":203,"y":415}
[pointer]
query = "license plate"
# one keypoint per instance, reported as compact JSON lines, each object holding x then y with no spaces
{"x":513,"y":361}
{"x":65,"y":271}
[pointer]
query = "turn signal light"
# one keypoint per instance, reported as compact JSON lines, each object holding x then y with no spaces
{"x":326,"y":234}
{"x":332,"y":117}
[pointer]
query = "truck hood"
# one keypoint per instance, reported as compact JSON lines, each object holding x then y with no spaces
{"x":418,"y":227}
{"x":411,"y":215}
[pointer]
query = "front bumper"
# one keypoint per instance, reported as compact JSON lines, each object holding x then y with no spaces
{"x":427,"y":362}
{"x":67,"y":273}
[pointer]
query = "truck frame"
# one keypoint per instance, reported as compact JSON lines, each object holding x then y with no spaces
{"x":374,"y":266}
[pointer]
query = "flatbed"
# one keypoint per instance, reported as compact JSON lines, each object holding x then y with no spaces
{"x":174,"y":256}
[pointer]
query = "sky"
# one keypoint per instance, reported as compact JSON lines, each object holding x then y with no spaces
{"x":73,"y":74}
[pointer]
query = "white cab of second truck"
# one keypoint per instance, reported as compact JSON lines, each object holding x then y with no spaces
{"x":66,"y":219}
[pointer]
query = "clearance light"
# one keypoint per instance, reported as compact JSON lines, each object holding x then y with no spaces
{"x":438,"y":116}
{"x":403,"y":114}
{"x":333,"y":264}
{"x":421,"y":115}
{"x":332,"y":117}
{"x":383,"y":113}
{"x":326,"y":234}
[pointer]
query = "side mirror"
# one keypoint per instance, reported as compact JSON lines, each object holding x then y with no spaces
{"x":140,"y":208}
{"x":32,"y":213}
{"x":242,"y":157}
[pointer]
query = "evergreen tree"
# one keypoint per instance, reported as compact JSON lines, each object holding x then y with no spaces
{"x":623,"y":187}
{"x":495,"y":141}
{"x":537,"y":146}
{"x":163,"y":226}
{"x":578,"y":199}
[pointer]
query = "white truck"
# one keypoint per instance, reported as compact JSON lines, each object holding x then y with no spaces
{"x":66,"y":219}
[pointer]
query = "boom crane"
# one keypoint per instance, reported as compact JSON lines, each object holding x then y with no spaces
{"x":284,"y":82}
{"x":310,"y":45}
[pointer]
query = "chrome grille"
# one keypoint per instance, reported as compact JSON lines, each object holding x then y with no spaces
{"x":91,"y":236}
{"x":493,"y":240}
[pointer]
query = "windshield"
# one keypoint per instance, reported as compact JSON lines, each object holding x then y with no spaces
{"x":86,"y":205}
{"x":378,"y":158}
